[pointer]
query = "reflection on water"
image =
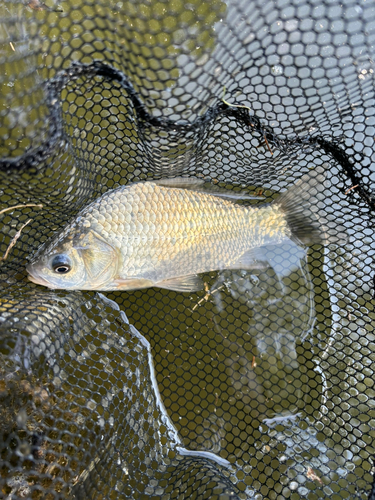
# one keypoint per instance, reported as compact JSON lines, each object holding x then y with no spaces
{"x":279,"y":297}
{"x":241,"y":368}
{"x":235,"y":363}
{"x":276,"y":306}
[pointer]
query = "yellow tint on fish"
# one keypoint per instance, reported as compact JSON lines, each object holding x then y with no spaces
{"x":166,"y":233}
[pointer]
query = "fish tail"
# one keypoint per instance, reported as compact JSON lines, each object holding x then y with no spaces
{"x":306,"y":212}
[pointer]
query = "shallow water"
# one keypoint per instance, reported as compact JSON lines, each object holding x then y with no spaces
{"x":266,"y":367}
{"x":270,"y":370}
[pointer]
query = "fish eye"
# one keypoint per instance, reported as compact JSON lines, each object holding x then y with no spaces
{"x":61,"y":264}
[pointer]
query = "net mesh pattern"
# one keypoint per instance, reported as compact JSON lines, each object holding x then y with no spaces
{"x":262,"y":384}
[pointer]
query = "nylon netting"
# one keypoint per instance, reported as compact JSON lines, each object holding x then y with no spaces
{"x":262,"y":385}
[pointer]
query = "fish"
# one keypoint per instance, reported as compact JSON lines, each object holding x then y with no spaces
{"x":165,"y":233}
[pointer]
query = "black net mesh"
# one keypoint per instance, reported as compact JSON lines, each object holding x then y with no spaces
{"x":259,"y":386}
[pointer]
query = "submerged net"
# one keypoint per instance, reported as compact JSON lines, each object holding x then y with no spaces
{"x":260,"y":386}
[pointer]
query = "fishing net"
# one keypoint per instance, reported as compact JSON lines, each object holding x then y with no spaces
{"x":262,"y":384}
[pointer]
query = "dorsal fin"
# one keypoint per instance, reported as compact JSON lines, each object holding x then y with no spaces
{"x":195,"y":184}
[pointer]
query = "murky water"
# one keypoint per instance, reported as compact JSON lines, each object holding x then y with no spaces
{"x":271,"y":369}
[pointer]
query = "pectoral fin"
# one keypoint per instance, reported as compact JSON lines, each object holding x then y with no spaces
{"x":191,"y":283}
{"x":181,"y":284}
{"x":130,"y":284}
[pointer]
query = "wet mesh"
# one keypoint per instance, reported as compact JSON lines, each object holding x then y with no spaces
{"x":262,"y":384}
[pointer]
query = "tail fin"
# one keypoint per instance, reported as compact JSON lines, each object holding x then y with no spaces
{"x":305,"y":212}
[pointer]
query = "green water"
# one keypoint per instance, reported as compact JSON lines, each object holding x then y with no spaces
{"x":269,"y":370}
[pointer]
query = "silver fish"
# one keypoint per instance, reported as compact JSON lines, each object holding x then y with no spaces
{"x":165,"y":233}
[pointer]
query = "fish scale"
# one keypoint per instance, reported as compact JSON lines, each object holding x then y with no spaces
{"x":165,"y":233}
{"x":184,"y":223}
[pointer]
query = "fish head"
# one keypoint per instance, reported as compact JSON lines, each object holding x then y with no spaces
{"x":82,"y":261}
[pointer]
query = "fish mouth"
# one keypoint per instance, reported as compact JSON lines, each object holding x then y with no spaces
{"x":38,"y":280}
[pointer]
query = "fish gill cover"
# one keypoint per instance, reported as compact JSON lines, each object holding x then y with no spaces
{"x":261,"y":385}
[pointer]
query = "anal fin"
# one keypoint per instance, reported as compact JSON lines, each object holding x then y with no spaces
{"x":252,"y":259}
{"x":191,"y":283}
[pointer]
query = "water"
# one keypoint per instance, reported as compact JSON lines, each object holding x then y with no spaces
{"x":270,"y":370}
